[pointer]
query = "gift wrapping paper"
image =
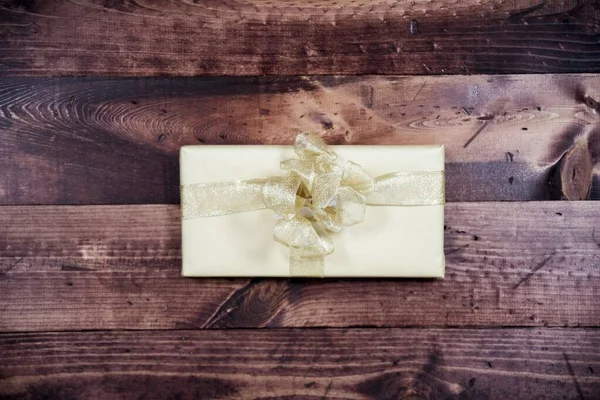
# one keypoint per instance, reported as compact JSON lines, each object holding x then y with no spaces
{"x":391,"y":241}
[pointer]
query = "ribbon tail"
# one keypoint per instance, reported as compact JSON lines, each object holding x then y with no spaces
{"x":408,"y":188}
{"x":308,"y":267}
{"x":210,"y":199}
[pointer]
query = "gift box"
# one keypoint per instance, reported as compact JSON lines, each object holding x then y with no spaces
{"x":312,"y":210}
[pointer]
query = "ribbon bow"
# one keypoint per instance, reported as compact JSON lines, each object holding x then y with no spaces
{"x":313,"y":198}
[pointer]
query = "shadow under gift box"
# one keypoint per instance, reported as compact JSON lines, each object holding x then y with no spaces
{"x":392,"y":241}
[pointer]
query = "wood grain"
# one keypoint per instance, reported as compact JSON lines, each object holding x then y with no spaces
{"x":288,"y":37}
{"x":118,"y":267}
{"x":116,"y":141}
{"x":325,"y":363}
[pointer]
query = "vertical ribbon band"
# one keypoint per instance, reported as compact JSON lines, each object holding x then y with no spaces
{"x":313,"y":198}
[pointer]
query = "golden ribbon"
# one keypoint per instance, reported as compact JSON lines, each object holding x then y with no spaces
{"x":313,"y":198}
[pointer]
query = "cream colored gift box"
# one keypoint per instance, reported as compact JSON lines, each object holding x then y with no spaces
{"x":392,"y":241}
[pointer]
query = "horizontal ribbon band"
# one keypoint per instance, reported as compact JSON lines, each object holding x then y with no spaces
{"x":313,"y":198}
{"x":415,"y":188}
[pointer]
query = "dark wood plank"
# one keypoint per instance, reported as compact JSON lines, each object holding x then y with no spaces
{"x":307,"y":363}
{"x":107,"y":141}
{"x":118,"y":267}
{"x":253,"y":37}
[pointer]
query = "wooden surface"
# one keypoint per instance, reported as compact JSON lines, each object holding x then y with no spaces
{"x":90,"y":141}
{"x":98,"y":96}
{"x":288,"y":37}
{"x":305,"y":363}
{"x":118,"y":267}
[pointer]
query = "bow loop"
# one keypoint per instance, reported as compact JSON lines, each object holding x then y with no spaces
{"x":357,"y":178}
{"x":308,"y":147}
{"x":298,"y":232}
{"x":325,"y":188}
{"x":302,"y":169}
{"x":279,"y":193}
{"x":351,"y":206}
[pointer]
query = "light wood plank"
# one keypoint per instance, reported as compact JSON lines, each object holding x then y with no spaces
{"x":116,"y":141}
{"x":118,"y":267}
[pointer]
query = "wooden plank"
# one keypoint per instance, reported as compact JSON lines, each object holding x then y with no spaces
{"x":118,"y":267}
{"x":308,"y":363}
{"x":253,"y":37}
{"x":115,"y":141}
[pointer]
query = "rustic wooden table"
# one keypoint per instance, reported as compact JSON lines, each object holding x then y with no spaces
{"x":97,"y":96}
